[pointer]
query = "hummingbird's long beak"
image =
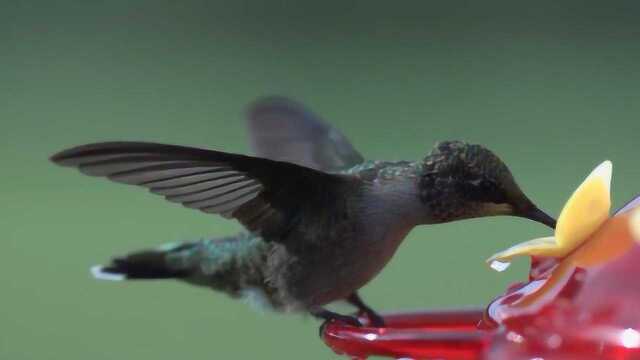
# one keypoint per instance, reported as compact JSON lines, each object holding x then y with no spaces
{"x":540,"y":216}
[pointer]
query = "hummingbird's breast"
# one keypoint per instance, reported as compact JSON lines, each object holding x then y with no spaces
{"x":390,"y":212}
{"x":385,"y":215}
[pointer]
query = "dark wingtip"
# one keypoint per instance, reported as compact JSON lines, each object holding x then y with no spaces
{"x":62,"y":157}
{"x":58,"y":157}
{"x":74,"y":156}
{"x":66,"y":157}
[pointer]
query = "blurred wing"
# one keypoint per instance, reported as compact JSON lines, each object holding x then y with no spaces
{"x":264,"y":195}
{"x":281,"y":129}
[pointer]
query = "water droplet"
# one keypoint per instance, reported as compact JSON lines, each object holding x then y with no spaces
{"x":499,"y":265}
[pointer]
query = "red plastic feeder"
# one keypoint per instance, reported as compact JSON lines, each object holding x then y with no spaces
{"x":562,"y":312}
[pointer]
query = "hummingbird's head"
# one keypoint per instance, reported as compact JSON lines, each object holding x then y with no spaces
{"x":460,"y":181}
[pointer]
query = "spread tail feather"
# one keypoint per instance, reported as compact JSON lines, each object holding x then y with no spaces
{"x":150,"y":264}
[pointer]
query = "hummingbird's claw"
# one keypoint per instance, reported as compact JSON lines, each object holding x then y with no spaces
{"x":349,"y":320}
{"x":321,"y":329}
{"x":330,"y":316}
{"x":375,"y":319}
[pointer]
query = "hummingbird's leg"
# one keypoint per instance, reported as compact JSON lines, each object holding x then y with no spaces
{"x":374,"y":319}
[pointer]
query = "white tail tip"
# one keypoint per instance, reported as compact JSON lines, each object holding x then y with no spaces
{"x":98,"y":273}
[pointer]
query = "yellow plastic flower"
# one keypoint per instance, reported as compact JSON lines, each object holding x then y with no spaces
{"x":584,"y":213}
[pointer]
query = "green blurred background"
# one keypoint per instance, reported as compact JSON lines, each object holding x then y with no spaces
{"x":552,"y":88}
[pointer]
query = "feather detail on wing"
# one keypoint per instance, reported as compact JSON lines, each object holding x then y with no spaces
{"x":264,"y":195}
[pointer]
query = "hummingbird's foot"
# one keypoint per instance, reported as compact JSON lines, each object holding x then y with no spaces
{"x":375,"y":319}
{"x":329,"y":316}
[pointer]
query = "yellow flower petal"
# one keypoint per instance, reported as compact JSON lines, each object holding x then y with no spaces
{"x":586,"y":209}
{"x":613,"y":239}
{"x":546,"y":246}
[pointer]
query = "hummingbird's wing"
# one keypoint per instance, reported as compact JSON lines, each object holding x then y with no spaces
{"x":282,"y":129}
{"x":264,"y":195}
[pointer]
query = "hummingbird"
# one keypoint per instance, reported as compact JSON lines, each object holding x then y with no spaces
{"x":320,"y":221}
